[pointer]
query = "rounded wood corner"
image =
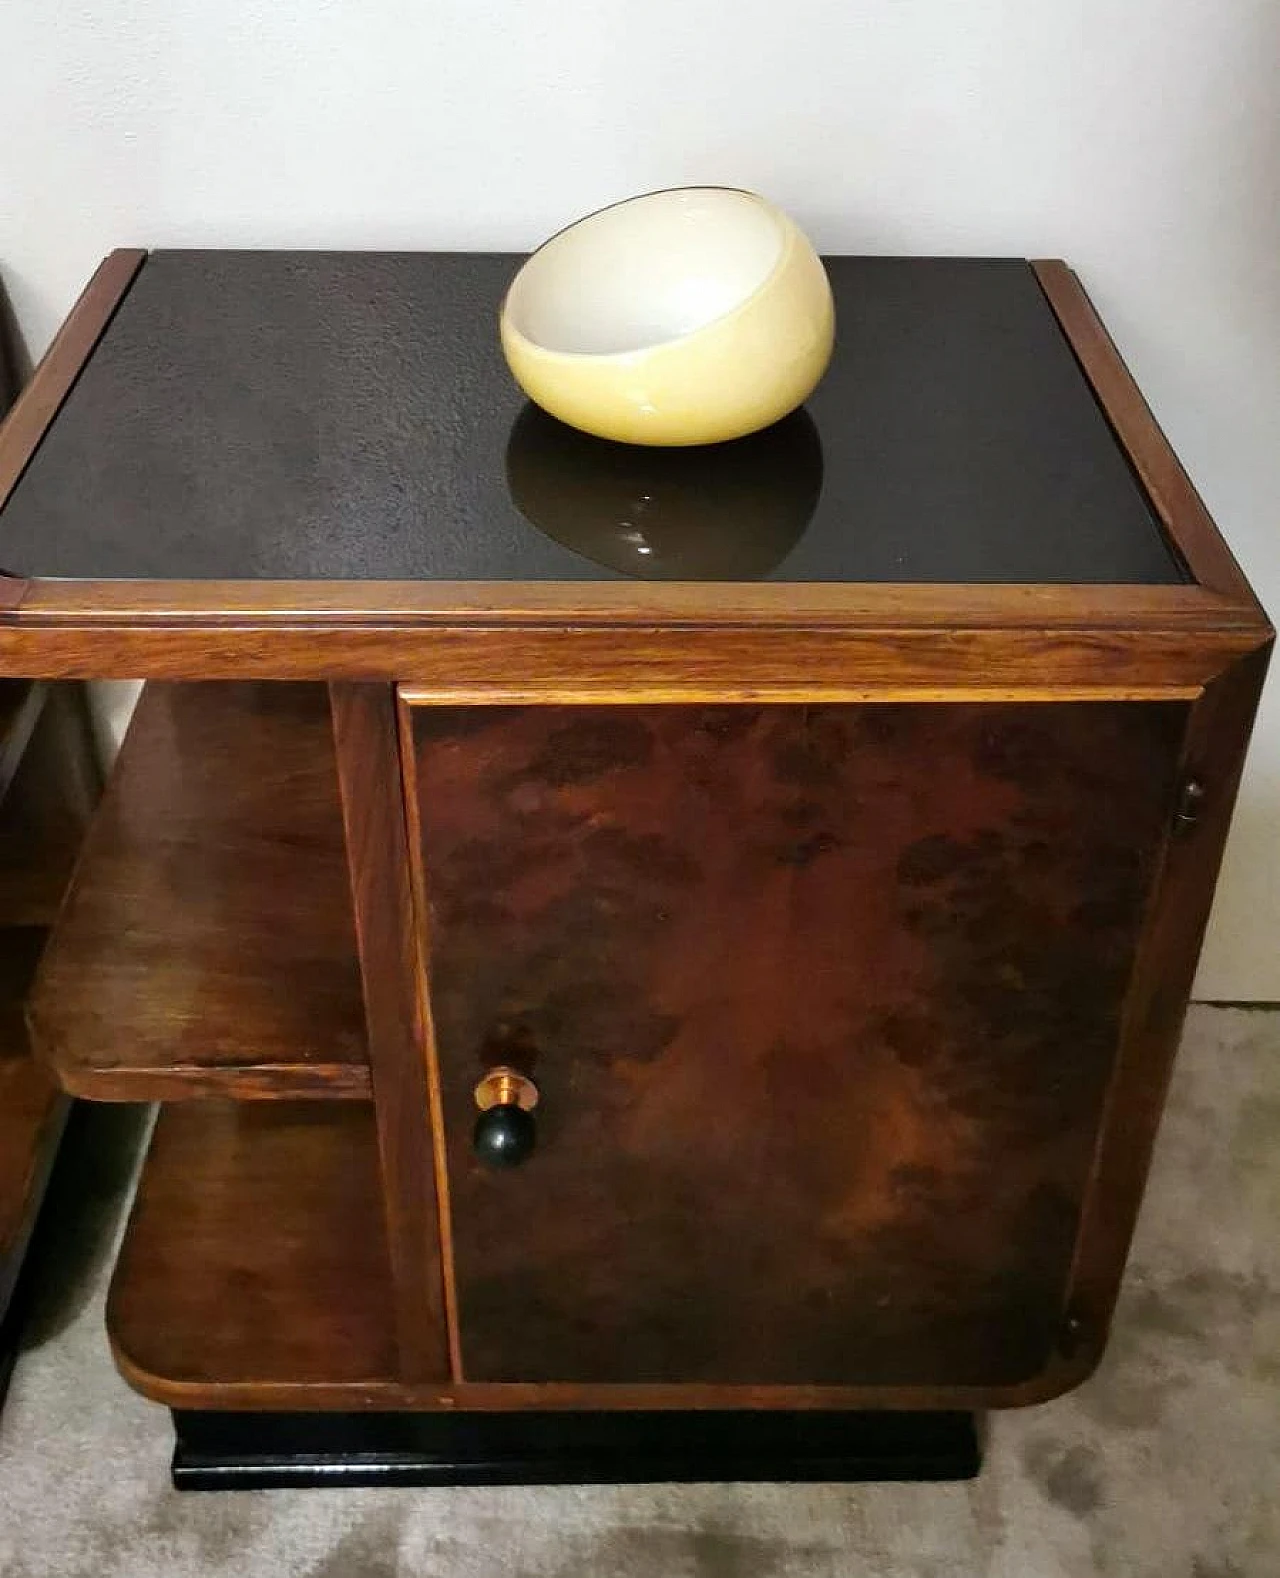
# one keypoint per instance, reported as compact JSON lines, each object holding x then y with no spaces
{"x":155,"y":1388}
{"x":1059,"y":1376}
{"x":244,"y":1395}
{"x":254,"y":1396}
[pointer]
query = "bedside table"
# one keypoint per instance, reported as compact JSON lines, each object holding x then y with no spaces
{"x":794,"y":856}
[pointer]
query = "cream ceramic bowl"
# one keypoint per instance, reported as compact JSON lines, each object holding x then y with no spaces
{"x":681,"y":317}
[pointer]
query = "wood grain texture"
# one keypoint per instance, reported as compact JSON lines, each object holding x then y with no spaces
{"x":53,"y":379}
{"x":570,"y":661}
{"x":48,"y":810}
{"x":256,"y":1249}
{"x":300,"y":1312}
{"x":583,"y":665}
{"x":207,"y":944}
{"x":419,"y":889}
{"x":1180,"y":507}
{"x":195,"y":605}
{"x":796,"y":984}
{"x":1157,"y":1001}
{"x":367,"y":751}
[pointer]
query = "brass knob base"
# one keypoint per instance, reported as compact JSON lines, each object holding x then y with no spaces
{"x":506,"y":1087}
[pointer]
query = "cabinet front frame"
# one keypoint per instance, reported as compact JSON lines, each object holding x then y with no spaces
{"x":1176,"y":912}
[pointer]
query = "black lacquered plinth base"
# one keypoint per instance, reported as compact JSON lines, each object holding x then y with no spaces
{"x":261,"y":1451}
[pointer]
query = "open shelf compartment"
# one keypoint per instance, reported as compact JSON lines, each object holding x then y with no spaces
{"x":207,"y":947}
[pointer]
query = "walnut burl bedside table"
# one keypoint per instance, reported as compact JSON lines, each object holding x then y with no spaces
{"x":656,"y":965}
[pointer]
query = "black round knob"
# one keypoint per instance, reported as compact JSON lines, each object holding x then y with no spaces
{"x":504,"y":1136}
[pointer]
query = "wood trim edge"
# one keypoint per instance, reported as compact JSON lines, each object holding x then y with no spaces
{"x":422,"y":974}
{"x":1214,"y":752}
{"x":366,"y":751}
{"x":1187,"y":521}
{"x":383,"y":1392}
{"x":228,"y":606}
{"x":192,"y":1082}
{"x":23,"y":430}
{"x":769,"y":663}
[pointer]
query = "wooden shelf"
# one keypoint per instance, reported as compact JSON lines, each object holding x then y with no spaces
{"x":207,"y":945}
{"x":255,"y":1264}
{"x":48,"y":809}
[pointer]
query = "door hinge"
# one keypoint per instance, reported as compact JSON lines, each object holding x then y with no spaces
{"x":1190,"y":803}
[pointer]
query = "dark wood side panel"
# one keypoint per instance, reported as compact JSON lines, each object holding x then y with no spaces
{"x":822,"y":1002}
{"x":365,"y":742}
{"x":32,"y":1109}
{"x":1181,"y":508}
{"x":207,"y":946}
{"x":1221,"y":723}
{"x":53,"y":379}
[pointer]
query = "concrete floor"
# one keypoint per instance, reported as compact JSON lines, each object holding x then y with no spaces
{"x":1165,"y":1465}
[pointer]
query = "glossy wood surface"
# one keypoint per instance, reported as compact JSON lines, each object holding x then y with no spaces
{"x":752,"y":664}
{"x":367,"y":752}
{"x":798,"y":987}
{"x":300,"y":1312}
{"x":1157,"y":1001}
{"x":1042,"y":641}
{"x":207,"y":944}
{"x":256,"y":1250}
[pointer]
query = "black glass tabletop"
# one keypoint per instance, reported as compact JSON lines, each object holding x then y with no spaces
{"x":348,"y":416}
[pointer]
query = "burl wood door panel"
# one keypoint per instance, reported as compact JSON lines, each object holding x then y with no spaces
{"x":821,"y":1002}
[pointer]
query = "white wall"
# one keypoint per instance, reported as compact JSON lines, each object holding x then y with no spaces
{"x":1138,"y":138}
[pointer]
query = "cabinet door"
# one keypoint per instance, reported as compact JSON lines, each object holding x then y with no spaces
{"x":821,"y":1003}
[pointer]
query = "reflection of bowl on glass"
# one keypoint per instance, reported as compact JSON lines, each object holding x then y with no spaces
{"x":682,"y":317}
{"x":720,"y":512}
